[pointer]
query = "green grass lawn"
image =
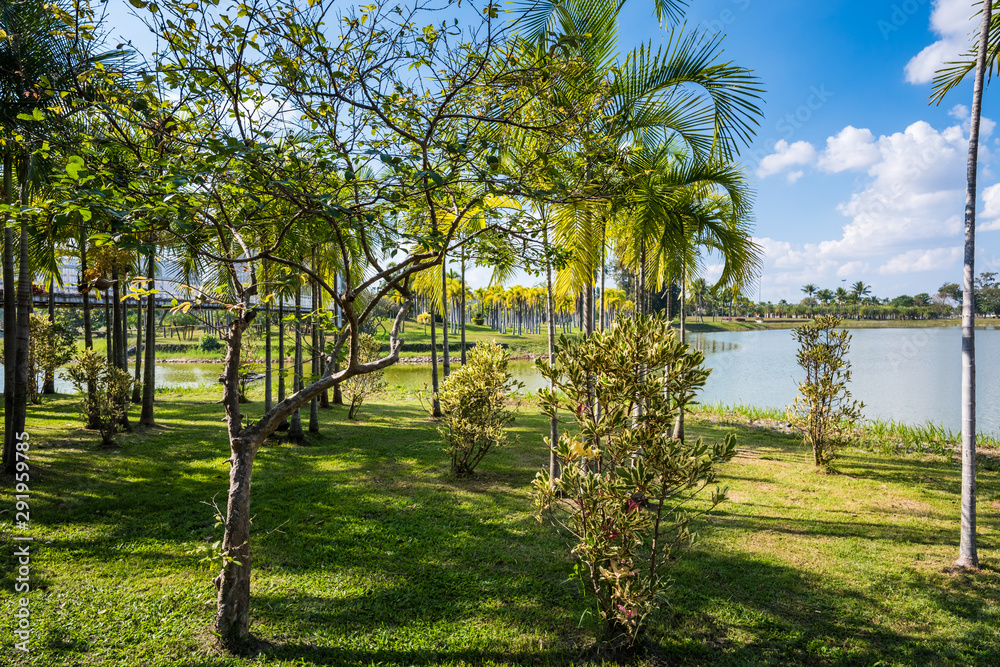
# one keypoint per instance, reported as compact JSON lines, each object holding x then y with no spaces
{"x":367,"y":553}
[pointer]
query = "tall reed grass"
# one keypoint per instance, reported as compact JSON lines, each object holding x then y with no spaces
{"x":879,"y":435}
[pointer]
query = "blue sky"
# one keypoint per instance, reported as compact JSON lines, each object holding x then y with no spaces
{"x":857,"y":177}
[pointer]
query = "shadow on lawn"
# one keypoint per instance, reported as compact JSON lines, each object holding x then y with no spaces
{"x":733,"y":610}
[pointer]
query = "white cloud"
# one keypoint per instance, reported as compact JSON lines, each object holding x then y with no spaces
{"x":905,"y":216}
{"x":852,"y":269}
{"x":795,"y":175}
{"x":953,"y":22}
{"x":960,"y":112}
{"x":852,"y":148}
{"x":786,"y":155}
{"x":916,"y":193}
{"x":922,"y":260}
{"x":991,"y":201}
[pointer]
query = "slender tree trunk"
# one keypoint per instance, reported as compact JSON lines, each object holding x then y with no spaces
{"x":445,"y":362}
{"x":640,"y":296}
{"x":314,"y":362}
{"x":550,"y":312}
{"x":9,"y":319}
{"x":149,"y":372}
{"x":281,"y":356}
{"x":116,"y":321}
{"x":604,"y":322}
{"x":295,"y":428}
{"x":435,"y":403}
{"x":22,"y":372}
{"x":967,"y":552}
{"x":324,"y":398}
{"x":49,"y":384}
{"x":137,"y":388}
{"x":463,"y":305}
{"x":679,"y":424}
{"x":108,"y":333}
{"x":232,"y":619}
{"x":265,"y":290}
{"x":338,"y":394}
{"x":88,"y":325}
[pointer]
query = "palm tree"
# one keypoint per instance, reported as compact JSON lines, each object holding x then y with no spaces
{"x":810,"y":290}
{"x":986,"y":52}
{"x":676,"y":93}
{"x":859,"y":291}
{"x":827,"y":297}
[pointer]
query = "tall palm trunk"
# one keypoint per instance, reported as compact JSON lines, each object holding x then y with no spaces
{"x":967,"y":553}
{"x":108,"y":342}
{"x":446,"y":362}
{"x":295,"y":427}
{"x":281,"y":355}
{"x":137,"y":387}
{"x":463,"y":305}
{"x":49,"y":384}
{"x":88,"y":327}
{"x":679,"y":425}
{"x":19,"y":413}
{"x":265,"y":290}
{"x":338,"y":394}
{"x":550,"y":313}
{"x":314,"y":361}
{"x":324,"y":398}
{"x":149,"y":373}
{"x":604,"y":322}
{"x":435,"y":403}
{"x":116,"y":321}
{"x":9,"y":318}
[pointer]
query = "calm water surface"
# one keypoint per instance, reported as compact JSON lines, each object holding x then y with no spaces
{"x":909,"y":375}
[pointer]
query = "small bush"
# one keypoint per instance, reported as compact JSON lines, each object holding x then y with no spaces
{"x":51,"y":345}
{"x":111,"y":397}
{"x":474,"y":407}
{"x":622,"y":497}
{"x":361,"y":387}
{"x":209,"y":343}
{"x":823,"y":411}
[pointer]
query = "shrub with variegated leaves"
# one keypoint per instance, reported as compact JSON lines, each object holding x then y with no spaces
{"x":474,"y":406}
{"x":623,"y":494}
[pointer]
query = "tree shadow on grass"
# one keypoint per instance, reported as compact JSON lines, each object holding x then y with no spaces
{"x":735,"y":610}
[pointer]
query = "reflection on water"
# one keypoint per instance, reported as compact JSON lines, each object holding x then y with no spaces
{"x":412,"y":376}
{"x":708,"y":344}
{"x":909,"y":375}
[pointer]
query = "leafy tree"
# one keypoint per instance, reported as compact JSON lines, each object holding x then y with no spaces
{"x":474,"y":411}
{"x":391,"y":148}
{"x":625,"y":481}
{"x":52,"y":344}
{"x":361,"y":387}
{"x":111,"y":398}
{"x":823,"y":410}
{"x":950,"y":291}
{"x":987,"y":294}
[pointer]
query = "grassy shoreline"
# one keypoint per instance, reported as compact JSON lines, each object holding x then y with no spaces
{"x":366,"y":552}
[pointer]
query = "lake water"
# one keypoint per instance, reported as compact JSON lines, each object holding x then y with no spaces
{"x":909,"y":375}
